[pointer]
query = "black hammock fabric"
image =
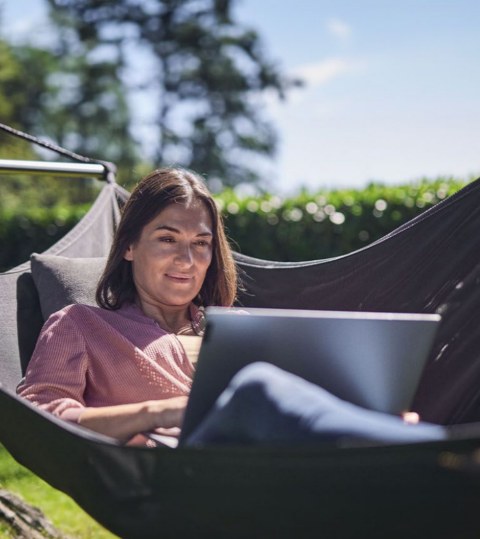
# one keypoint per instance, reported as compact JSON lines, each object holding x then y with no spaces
{"x":431,"y":264}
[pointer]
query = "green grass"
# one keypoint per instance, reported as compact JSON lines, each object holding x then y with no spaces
{"x":59,"y":508}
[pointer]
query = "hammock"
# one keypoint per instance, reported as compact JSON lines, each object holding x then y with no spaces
{"x":430,"y":264}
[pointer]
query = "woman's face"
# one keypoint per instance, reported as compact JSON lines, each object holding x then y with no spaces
{"x":172,"y":256}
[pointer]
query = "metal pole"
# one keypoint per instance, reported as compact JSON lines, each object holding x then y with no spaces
{"x":53,"y":168}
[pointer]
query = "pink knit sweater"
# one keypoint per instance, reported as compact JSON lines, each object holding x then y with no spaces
{"x":88,"y":356}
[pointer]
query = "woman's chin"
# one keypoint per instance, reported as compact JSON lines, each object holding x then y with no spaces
{"x":178,"y":300}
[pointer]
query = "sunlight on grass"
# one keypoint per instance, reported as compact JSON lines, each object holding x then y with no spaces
{"x":5,"y":532}
{"x":64,"y":513}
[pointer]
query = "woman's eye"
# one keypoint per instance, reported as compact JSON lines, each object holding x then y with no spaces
{"x":166,"y":239}
{"x":202,"y":243}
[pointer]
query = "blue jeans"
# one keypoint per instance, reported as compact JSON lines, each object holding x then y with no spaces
{"x":266,"y":405}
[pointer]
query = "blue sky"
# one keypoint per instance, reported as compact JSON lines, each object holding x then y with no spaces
{"x":392,"y":88}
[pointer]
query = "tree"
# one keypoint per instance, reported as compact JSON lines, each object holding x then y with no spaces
{"x":31,"y":100}
{"x":75,"y":99}
{"x":21,"y":91}
{"x":207,"y":73}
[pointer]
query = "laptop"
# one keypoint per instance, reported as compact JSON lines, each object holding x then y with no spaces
{"x":374,"y":360}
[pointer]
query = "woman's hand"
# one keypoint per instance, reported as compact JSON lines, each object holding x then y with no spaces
{"x":411,"y":418}
{"x":167,"y":413}
{"x":124,"y":421}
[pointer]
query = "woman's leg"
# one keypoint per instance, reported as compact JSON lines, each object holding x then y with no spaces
{"x":264,"y":404}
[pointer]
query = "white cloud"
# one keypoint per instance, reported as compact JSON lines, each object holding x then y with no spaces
{"x":339,"y":29}
{"x":314,"y":75}
{"x":320,"y":73}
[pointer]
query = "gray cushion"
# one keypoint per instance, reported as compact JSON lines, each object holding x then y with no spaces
{"x":61,"y":281}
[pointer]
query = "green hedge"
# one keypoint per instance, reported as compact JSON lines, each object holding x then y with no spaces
{"x":34,"y":230}
{"x":326,"y":224}
{"x":304,"y":227}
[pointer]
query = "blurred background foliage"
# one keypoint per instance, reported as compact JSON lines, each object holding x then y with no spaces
{"x":307,"y":226}
{"x":144,"y":84}
{"x":313,"y":226}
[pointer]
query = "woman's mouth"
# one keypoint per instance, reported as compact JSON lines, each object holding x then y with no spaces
{"x":178,"y":277}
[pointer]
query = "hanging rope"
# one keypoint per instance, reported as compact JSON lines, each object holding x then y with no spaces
{"x":110,"y":169}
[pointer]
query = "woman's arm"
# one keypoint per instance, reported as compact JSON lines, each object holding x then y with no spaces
{"x":56,"y":382}
{"x":56,"y":375}
{"x":123,"y":421}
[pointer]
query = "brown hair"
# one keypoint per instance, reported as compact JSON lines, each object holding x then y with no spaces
{"x":153,"y":194}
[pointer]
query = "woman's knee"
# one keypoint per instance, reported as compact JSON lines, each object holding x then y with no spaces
{"x":256,"y":375}
{"x":248,"y":388}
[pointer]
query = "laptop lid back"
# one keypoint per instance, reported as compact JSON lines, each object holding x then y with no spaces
{"x":374,"y":360}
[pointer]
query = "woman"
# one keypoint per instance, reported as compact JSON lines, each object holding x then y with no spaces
{"x":125,"y":368}
{"x":122,"y":368}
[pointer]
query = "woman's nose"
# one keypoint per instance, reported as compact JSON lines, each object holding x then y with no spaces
{"x":184,"y":255}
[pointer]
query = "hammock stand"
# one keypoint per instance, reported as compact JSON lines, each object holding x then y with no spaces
{"x":431,"y":264}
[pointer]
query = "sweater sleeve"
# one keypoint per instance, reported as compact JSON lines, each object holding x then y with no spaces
{"x":56,"y":375}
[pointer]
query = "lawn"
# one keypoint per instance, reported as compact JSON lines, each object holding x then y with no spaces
{"x":59,"y":508}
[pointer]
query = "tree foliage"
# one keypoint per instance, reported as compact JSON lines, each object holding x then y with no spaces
{"x":30,"y":101}
{"x":75,"y":100}
{"x":202,"y":71}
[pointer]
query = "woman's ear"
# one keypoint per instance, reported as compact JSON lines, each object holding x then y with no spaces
{"x":128,"y":254}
